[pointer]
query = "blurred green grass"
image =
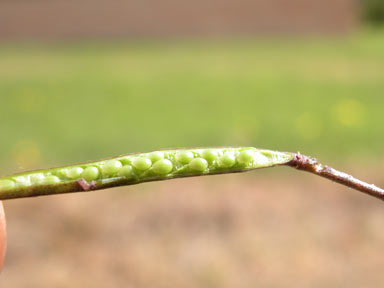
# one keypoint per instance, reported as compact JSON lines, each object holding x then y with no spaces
{"x":61,"y":103}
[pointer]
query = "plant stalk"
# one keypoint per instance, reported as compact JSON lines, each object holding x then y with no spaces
{"x":274,"y":158}
{"x":305,"y":163}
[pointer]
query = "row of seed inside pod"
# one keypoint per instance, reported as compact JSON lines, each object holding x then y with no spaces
{"x":158,"y":163}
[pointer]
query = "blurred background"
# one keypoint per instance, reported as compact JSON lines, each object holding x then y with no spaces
{"x":83,"y":80}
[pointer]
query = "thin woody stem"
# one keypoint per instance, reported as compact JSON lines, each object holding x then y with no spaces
{"x":305,"y":163}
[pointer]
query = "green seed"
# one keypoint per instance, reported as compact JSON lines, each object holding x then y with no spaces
{"x":22,"y":180}
{"x":245,"y":157}
{"x":142,"y":163}
{"x":125,"y":160}
{"x":90,"y":173}
{"x":36,"y":178}
{"x":7,"y":184}
{"x":111,"y":167}
{"x":210,"y":155}
{"x":270,"y":154}
{"x":156,"y":156}
{"x":198,"y":164}
{"x":184,"y":157}
{"x":162,"y":167}
{"x":62,"y":173}
{"x":227,"y":160}
{"x":51,"y":180}
{"x":126,"y":171}
{"x":74,"y":173}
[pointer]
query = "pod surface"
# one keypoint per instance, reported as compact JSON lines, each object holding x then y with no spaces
{"x":138,"y":168}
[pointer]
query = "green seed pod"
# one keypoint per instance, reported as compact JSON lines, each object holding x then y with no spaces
{"x":227,"y":160}
{"x":156,"y":156}
{"x":210,"y":155}
{"x":198,"y":164}
{"x":90,"y":173}
{"x":138,"y":168}
{"x":126,"y":171}
{"x":184,"y":157}
{"x":74,"y":173}
{"x":142,"y":163}
{"x":111,"y":167}
{"x":162,"y":167}
{"x":7,"y":184}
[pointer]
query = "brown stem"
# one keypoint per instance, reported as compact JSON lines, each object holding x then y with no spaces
{"x":309,"y":164}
